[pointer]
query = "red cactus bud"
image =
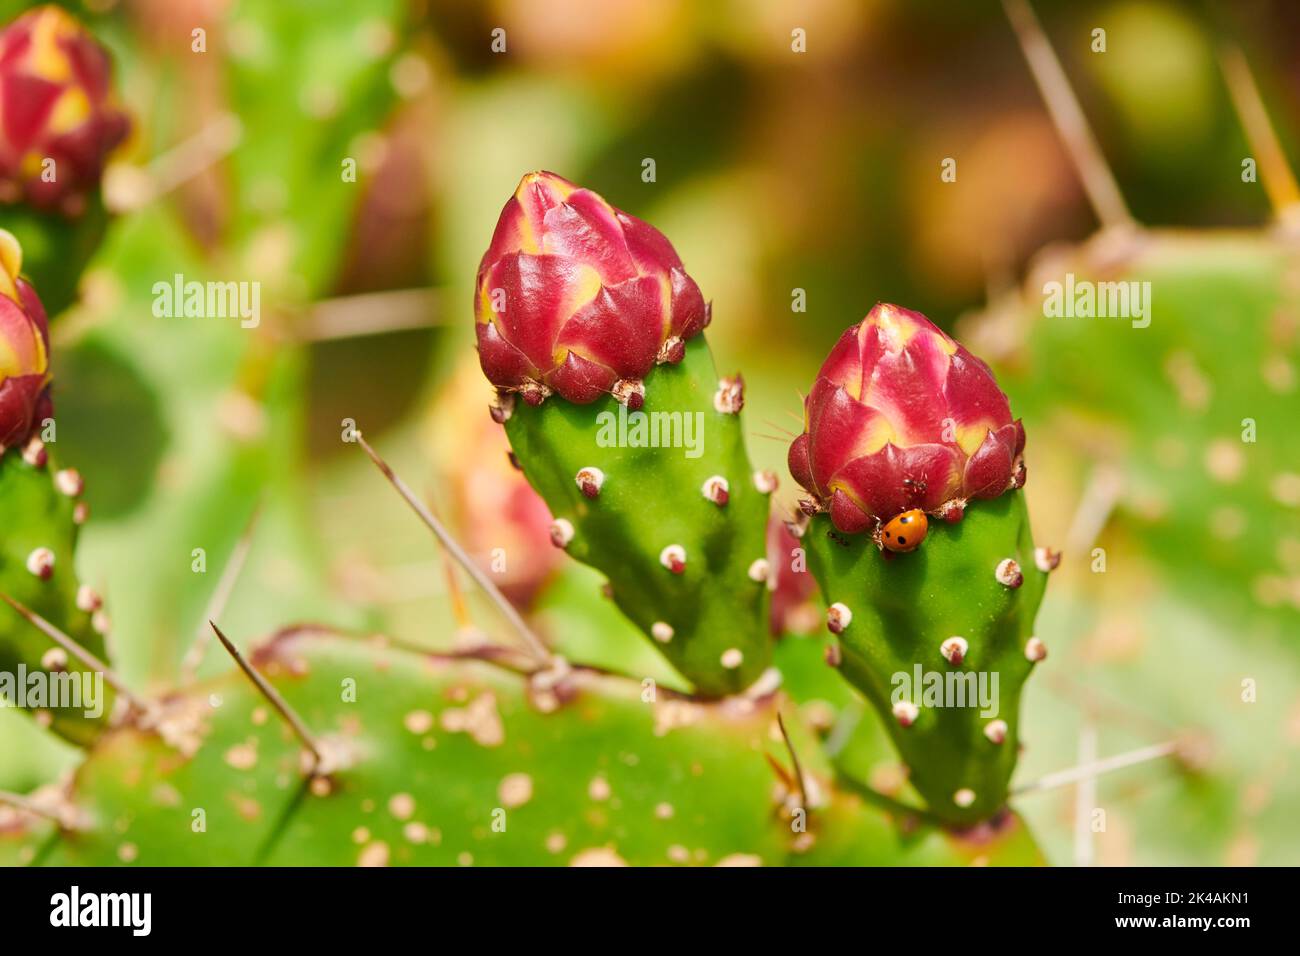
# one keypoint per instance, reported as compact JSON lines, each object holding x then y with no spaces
{"x":55,"y":105}
{"x":24,"y":349}
{"x":902,"y":417}
{"x":574,"y":295}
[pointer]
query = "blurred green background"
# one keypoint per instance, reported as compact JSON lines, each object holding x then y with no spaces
{"x":774,"y":171}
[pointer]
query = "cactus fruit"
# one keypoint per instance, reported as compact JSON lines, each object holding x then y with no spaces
{"x":938,"y":637}
{"x":640,"y":453}
{"x":58,"y":124}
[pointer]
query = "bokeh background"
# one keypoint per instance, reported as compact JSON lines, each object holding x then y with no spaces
{"x":774,"y":171}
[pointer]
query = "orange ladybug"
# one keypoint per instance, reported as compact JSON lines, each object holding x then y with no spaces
{"x":904,"y":532}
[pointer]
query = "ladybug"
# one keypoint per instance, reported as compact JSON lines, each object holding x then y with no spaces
{"x":904,"y":532}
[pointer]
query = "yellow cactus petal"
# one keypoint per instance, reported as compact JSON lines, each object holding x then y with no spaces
{"x":71,"y":110}
{"x":11,"y":261}
{"x":47,"y":57}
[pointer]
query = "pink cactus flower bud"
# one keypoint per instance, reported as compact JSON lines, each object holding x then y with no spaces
{"x":57,"y":120}
{"x":574,"y":295}
{"x":902,"y":417}
{"x":24,"y":350}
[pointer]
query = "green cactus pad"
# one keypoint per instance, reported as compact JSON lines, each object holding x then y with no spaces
{"x":903,"y":609}
{"x":35,"y":514}
{"x":651,"y":498}
{"x":437,"y":750}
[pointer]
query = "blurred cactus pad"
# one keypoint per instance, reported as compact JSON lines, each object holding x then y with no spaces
{"x":616,"y":515}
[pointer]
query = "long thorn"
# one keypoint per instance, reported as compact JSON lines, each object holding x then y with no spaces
{"x":530,"y":639}
{"x":25,"y":804}
{"x":1098,"y":181}
{"x":1279,"y":181}
{"x":1085,"y":795}
{"x":220,"y":597}
{"x":129,"y":188}
{"x":371,"y":313}
{"x":273,"y":696}
{"x":77,"y":651}
{"x":794,"y":760}
{"x":1100,"y":495}
{"x":1098,"y":767}
{"x":459,"y":609}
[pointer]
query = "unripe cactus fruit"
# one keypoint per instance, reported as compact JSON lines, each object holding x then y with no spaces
{"x":937,"y":635}
{"x":626,"y":429}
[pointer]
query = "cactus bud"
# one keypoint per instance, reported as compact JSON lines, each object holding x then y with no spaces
{"x":55,"y":107}
{"x":577,"y":296}
{"x":903,"y":417}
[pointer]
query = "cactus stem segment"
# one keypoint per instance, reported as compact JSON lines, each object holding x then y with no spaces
{"x":1008,"y":573}
{"x":1046,"y":559}
{"x":673,"y":558}
{"x":589,"y":480}
{"x":906,"y":712}
{"x":561,"y":532}
{"x":954,"y":650}
{"x":717,"y":490}
{"x":41,"y":563}
{"x":1035,"y":650}
{"x":662,"y":631}
{"x":838,"y":617}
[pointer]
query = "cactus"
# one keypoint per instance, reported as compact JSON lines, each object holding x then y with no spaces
{"x":39,"y":514}
{"x":581,"y":300}
{"x":903,"y":424}
{"x":455,"y":760}
{"x":59,"y":124}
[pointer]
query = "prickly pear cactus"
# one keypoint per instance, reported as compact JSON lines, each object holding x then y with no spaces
{"x":920,"y":541}
{"x":39,"y":514}
{"x":456,"y":760}
{"x":589,"y":327}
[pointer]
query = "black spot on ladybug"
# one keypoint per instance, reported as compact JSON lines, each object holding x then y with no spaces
{"x":902,"y":540}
